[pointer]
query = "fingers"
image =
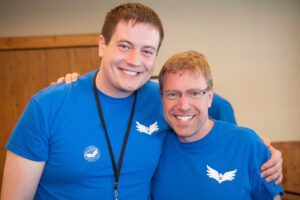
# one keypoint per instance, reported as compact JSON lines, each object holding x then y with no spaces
{"x":274,"y":173}
{"x":60,"y":80}
{"x":68,"y":78}
{"x":75,"y":76}
{"x":279,"y":179}
{"x":272,"y":169}
{"x":275,"y":158}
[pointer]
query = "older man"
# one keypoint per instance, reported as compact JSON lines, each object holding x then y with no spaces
{"x":205,"y":158}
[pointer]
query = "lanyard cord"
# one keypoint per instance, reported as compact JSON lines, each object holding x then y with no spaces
{"x":101,"y":117}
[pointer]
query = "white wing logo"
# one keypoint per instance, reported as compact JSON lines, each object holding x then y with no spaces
{"x":92,"y":155}
{"x":227,"y":176}
{"x":148,"y":130}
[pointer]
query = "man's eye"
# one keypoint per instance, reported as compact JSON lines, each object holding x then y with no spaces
{"x":194,"y":93}
{"x":123,"y":46}
{"x":148,"y":52}
{"x":172,"y":94}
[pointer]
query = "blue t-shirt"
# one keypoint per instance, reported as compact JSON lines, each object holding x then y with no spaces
{"x":221,"y":109}
{"x":61,"y":126}
{"x":225,"y":164}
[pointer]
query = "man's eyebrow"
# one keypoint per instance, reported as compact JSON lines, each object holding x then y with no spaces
{"x":146,"y":46}
{"x":172,"y":90}
{"x":126,"y":41}
{"x":150,"y":47}
{"x":194,"y":89}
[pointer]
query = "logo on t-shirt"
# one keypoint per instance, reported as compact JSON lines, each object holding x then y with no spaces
{"x":91,"y":154}
{"x":214,"y":174}
{"x":148,"y":130}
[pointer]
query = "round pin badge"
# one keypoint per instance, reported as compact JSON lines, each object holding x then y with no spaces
{"x":91,"y":154}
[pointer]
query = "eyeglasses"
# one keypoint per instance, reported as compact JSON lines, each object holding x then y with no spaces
{"x":192,"y":94}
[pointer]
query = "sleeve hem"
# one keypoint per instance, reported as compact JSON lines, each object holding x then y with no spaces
{"x":23,"y":154}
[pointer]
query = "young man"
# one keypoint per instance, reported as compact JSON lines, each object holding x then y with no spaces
{"x":101,"y":137}
{"x":206,"y":159}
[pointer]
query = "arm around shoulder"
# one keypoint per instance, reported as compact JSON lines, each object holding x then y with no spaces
{"x":20,"y":178}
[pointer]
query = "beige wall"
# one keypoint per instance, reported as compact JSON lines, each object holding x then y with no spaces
{"x":252,"y":46}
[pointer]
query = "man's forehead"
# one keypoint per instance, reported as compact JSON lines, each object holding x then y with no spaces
{"x":132,"y":23}
{"x":186,"y":71}
{"x":142,"y":32}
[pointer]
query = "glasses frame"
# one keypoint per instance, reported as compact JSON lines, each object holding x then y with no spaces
{"x":188,"y":93}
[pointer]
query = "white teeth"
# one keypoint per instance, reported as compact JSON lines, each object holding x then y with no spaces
{"x":184,"y":118}
{"x":130,"y":73}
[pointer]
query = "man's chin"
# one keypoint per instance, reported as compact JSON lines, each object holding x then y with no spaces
{"x":129,"y":89}
{"x":133,"y":86}
{"x":182,"y":133}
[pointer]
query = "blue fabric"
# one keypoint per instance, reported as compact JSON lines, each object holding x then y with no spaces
{"x":61,"y":126}
{"x":221,"y":109}
{"x":182,"y":172}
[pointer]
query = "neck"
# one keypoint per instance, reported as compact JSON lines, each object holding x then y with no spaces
{"x":199,"y":134}
{"x":107,"y":87}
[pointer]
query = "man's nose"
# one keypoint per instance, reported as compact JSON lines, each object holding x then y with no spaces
{"x":183,"y":103}
{"x":134,"y":58}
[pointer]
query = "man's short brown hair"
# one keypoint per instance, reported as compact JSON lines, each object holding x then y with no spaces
{"x":131,"y":12}
{"x":188,"y":60}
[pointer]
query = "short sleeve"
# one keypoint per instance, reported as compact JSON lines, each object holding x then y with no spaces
{"x":29,"y":138}
{"x":262,"y":190}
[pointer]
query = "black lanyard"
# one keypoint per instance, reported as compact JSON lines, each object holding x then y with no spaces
{"x":116,"y":170}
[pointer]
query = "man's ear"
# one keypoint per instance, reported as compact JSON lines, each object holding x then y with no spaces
{"x":102,"y":45}
{"x":210,"y":96}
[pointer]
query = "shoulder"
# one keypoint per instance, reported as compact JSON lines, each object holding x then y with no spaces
{"x":238,"y":132}
{"x":60,"y":93}
{"x":243,"y":139}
